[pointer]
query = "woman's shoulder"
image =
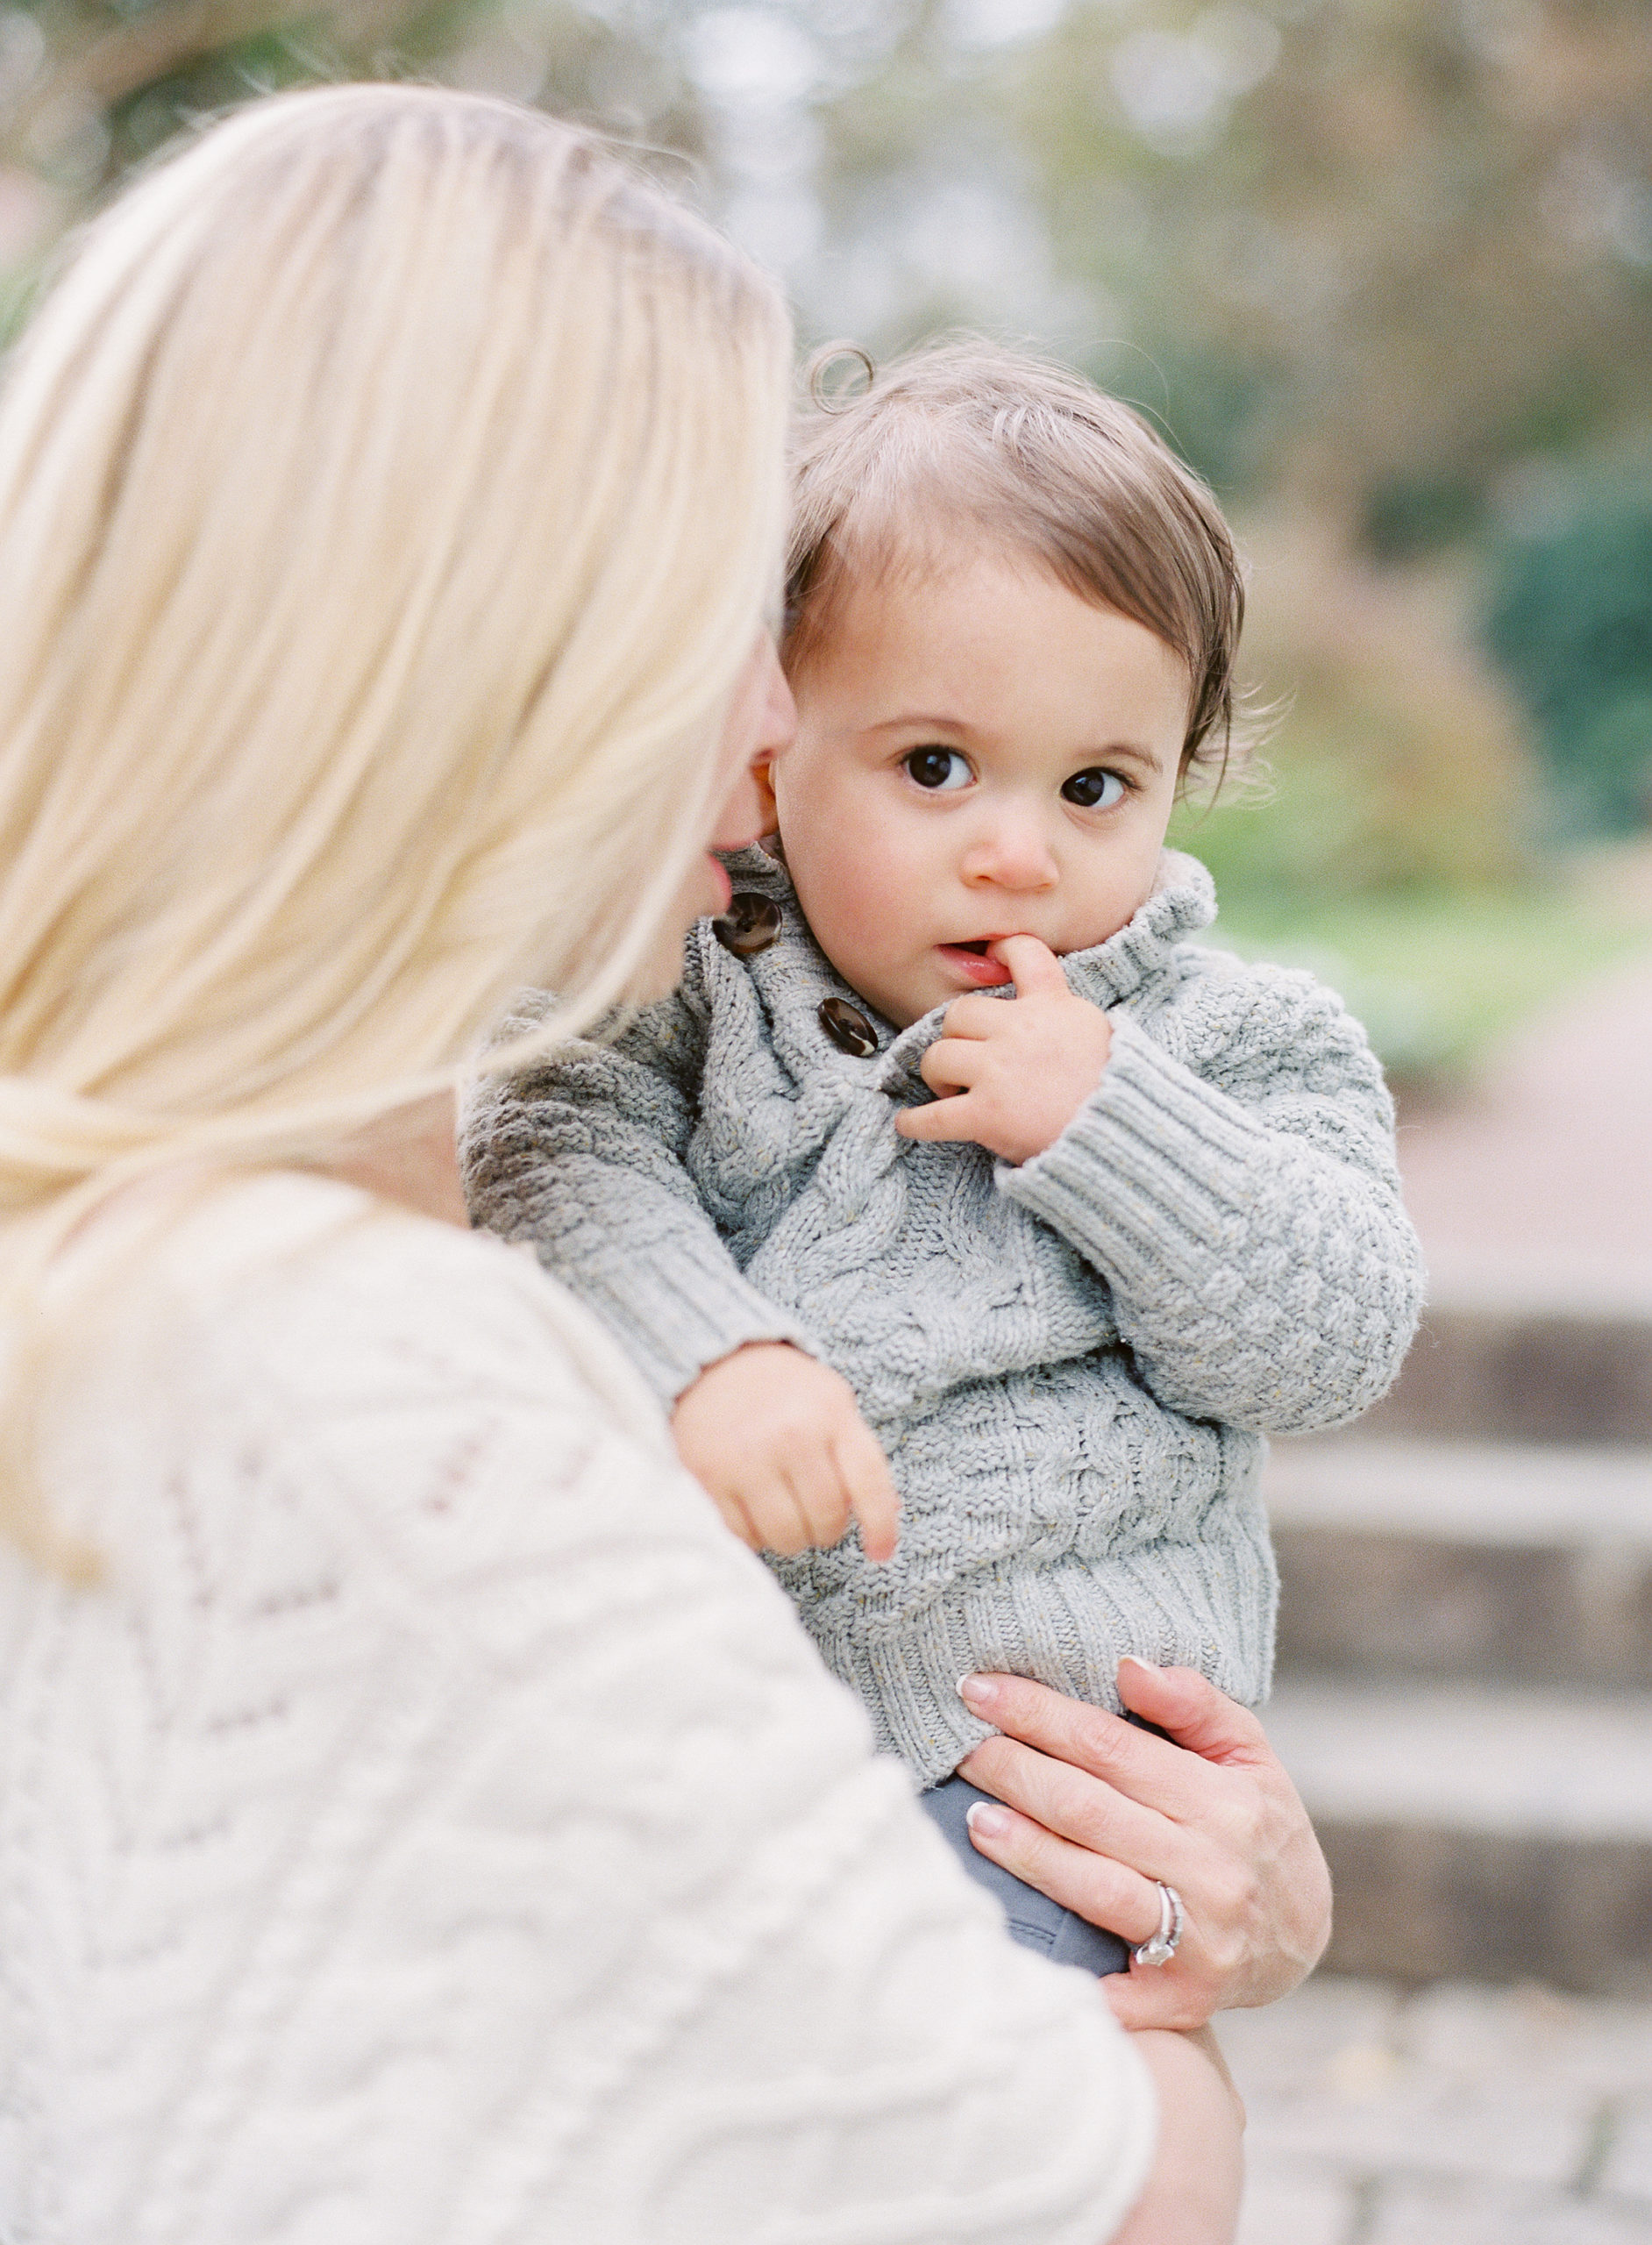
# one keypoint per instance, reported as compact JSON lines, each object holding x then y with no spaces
{"x":319,"y":1280}
{"x":356,"y":1353}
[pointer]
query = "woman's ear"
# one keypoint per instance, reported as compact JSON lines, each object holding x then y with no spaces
{"x":763,"y":773}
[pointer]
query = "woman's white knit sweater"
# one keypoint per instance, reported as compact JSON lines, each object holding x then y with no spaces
{"x":1070,"y":1365}
{"x":435,"y":1827}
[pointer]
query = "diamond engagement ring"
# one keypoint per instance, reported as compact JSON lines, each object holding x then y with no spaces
{"x":1172,"y":1918}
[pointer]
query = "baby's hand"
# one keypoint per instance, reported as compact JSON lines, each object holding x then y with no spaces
{"x":780,"y":1442}
{"x":1012,"y":1073}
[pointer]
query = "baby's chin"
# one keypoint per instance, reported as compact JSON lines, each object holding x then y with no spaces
{"x":921,"y":996}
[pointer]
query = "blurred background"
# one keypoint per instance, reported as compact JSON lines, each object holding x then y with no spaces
{"x":1382,"y":269}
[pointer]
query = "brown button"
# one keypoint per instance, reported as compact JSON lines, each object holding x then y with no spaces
{"x":849,"y":1031}
{"x":749,"y":925}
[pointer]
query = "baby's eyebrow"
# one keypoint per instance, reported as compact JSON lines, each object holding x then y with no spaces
{"x":921,"y":718}
{"x":1121,"y":751}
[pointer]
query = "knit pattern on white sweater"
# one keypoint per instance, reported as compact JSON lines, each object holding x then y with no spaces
{"x":1071,"y":1364}
{"x":436,"y":1830}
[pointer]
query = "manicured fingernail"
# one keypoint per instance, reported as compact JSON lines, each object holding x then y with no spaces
{"x":977,"y":1691}
{"x":989,"y":1821}
{"x":1135,"y":1661}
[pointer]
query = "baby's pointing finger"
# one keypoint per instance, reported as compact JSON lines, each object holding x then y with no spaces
{"x":1033,"y":968}
{"x":871,"y":1494}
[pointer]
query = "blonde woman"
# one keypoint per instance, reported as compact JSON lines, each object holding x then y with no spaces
{"x":419,"y":1819}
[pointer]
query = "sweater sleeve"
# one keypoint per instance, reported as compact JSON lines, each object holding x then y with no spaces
{"x":582,"y":1156}
{"x":458,"y":1822}
{"x":1242,"y":1197}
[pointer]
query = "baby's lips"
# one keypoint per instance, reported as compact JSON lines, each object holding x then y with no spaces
{"x":983,"y":969}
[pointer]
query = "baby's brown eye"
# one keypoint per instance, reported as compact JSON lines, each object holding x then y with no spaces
{"x":1094,"y":789}
{"x":937,"y":768}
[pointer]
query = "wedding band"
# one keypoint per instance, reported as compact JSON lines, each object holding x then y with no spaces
{"x":1172,"y":1918}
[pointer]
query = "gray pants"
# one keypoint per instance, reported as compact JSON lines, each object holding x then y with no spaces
{"x":1035,"y":1921}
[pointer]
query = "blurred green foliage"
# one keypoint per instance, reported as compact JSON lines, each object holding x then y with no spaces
{"x":1347,"y":250}
{"x":1365,"y":261}
{"x":88,"y":87}
{"x":1397,"y":761}
{"x":1408,"y":516}
{"x":1437,"y":975}
{"x":1571,"y":619}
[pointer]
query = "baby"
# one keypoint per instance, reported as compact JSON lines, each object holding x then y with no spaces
{"x":950,"y":1134}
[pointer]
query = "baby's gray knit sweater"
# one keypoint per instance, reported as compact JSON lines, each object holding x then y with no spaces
{"x":1071,"y":1363}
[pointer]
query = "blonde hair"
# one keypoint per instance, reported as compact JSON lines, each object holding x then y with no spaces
{"x":971,"y":434}
{"x":391,"y":491}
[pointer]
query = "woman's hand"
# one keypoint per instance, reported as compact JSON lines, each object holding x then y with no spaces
{"x":1107,"y":1809}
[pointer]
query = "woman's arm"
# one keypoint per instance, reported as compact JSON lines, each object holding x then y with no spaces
{"x":1100,"y":1809}
{"x":1193,"y":2191}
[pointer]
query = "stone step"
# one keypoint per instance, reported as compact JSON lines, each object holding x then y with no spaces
{"x":1484,"y":1370}
{"x":1401,"y":1558}
{"x":1479,"y":1832}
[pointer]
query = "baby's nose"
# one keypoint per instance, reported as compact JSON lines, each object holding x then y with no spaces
{"x":1011,"y":853}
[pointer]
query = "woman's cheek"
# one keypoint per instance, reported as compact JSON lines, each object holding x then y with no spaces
{"x":704,"y":892}
{"x":663,"y":970}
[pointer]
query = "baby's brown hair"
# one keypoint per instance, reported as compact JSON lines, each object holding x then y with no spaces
{"x":971,"y":435}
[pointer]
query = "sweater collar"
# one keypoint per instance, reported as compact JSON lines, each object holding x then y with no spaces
{"x":1182,"y":900}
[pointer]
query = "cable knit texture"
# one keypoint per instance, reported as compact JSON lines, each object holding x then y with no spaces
{"x":1071,"y":1364}
{"x":436,"y":1830}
